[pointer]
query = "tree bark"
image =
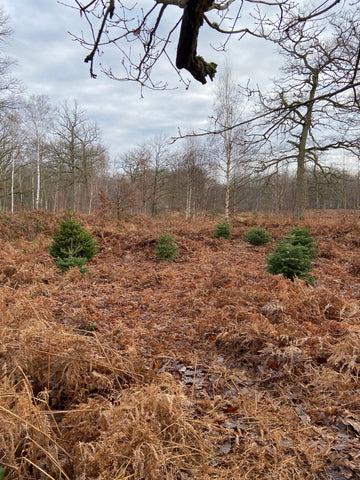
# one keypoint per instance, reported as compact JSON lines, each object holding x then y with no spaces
{"x":187,"y":57}
{"x":12,"y":183}
{"x":38,"y":179}
{"x":301,"y":158}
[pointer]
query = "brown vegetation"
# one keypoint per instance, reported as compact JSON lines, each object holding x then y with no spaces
{"x":203,"y":368}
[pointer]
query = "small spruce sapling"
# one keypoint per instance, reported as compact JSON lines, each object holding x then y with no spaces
{"x":223,"y":230}
{"x":257,"y":236}
{"x":64,"y":264}
{"x":166,"y":248}
{"x":300,"y":236}
{"x":72,"y":245}
{"x":292,"y":259}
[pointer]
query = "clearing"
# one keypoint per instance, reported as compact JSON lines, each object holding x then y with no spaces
{"x":206,"y":367}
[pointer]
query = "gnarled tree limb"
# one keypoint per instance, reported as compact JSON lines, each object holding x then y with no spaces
{"x":187,"y":57}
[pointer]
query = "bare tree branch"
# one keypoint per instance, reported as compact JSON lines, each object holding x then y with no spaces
{"x":142,"y":37}
{"x":90,"y":58}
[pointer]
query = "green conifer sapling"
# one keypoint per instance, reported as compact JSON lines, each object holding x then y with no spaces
{"x":72,"y":245}
{"x":223,"y":230}
{"x":166,"y":248}
{"x":291,"y":261}
{"x":257,"y":236}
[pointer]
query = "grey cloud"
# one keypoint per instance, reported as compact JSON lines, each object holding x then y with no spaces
{"x":50,"y":62}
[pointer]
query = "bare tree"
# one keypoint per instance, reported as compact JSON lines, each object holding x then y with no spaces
{"x":143,"y":33}
{"x":159,"y":162}
{"x":76,"y":153}
{"x":303,"y":117}
{"x":9,"y":86}
{"x":190,"y":174}
{"x":121,"y":194}
{"x":232,"y":144}
{"x":11,"y":157}
{"x":136,"y":165}
{"x":146,"y":169}
{"x":38,"y":119}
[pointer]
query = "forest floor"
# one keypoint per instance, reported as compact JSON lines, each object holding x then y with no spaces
{"x":206,"y":367}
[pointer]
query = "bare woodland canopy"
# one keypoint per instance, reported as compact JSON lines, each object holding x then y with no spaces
{"x":143,"y":33}
{"x":311,"y":110}
{"x":319,"y":40}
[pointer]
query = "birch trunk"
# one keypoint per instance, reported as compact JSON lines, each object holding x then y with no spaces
{"x":38,"y":178}
{"x":12,"y":183}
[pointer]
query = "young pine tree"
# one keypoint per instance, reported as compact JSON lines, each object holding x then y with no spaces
{"x":72,"y":245}
{"x":301,"y":236}
{"x":290,"y":260}
{"x":223,"y":229}
{"x":257,"y":236}
{"x":166,"y":248}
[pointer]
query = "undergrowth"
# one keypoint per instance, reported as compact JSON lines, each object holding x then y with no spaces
{"x":205,"y":368}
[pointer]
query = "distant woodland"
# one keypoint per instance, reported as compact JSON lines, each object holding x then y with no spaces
{"x":293,"y":147}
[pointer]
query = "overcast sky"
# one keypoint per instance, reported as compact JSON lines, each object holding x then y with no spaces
{"x":50,"y":62}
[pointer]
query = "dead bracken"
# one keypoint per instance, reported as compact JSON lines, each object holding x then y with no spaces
{"x":207,"y":367}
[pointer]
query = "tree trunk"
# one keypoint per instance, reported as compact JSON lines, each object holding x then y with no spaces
{"x":301,"y":159}
{"x":90,"y":196}
{"x":227,"y":190}
{"x":154,"y":194}
{"x":38,"y":160}
{"x":188,"y":198}
{"x":12,"y":183}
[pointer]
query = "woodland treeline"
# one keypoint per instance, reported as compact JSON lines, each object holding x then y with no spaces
{"x":293,"y":147}
{"x":55,"y":160}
